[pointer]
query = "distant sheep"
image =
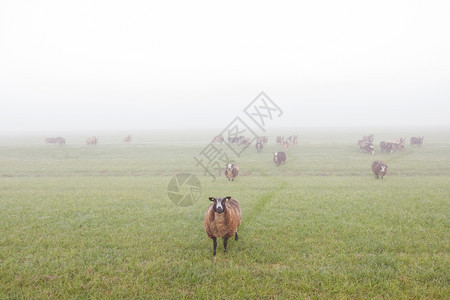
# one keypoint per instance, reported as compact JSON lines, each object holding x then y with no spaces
{"x":286,"y":144}
{"x":279,"y":157}
{"x":293,"y":139}
{"x":259,"y":146}
{"x":386,"y":147}
{"x":379,"y":168}
{"x":92,"y":141}
{"x":280,"y":139}
{"x":416,"y":141}
{"x":222,"y":220}
{"x":57,"y":140}
{"x":264,"y":139}
{"x":369,"y":148}
{"x":231,"y":171}
{"x":368,"y":139}
{"x":218,"y":139}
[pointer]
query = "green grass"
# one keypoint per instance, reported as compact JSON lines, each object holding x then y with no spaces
{"x":96,"y":222}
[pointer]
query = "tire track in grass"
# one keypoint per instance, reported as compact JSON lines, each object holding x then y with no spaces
{"x":250,"y":229}
{"x":262,"y":203}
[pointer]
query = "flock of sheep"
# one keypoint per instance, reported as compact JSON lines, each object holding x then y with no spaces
{"x":232,"y":169}
{"x":223,"y":216}
{"x":90,"y":141}
{"x":379,"y":168}
{"x":366,"y":144}
{"x":56,"y":140}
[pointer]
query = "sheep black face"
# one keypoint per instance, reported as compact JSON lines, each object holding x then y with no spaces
{"x":219,"y":204}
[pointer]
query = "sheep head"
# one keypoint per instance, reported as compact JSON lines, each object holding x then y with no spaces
{"x":219,"y":204}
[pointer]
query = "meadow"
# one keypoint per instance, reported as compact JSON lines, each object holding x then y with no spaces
{"x":96,"y":222}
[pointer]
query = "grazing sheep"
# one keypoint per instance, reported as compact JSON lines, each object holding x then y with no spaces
{"x":286,"y":144}
{"x":279,"y":157}
{"x":293,"y":139}
{"x":92,"y":141}
{"x":231,"y":171}
{"x":222,"y":220}
{"x":379,"y":168}
{"x":232,"y":139}
{"x":369,"y":148}
{"x":259,"y":146}
{"x":398,"y":144}
{"x":386,"y":147}
{"x":243,"y":141}
{"x":264,"y":139}
{"x":280,"y":139}
{"x":368,"y":139}
{"x":218,"y":139}
{"x":416,"y":141}
{"x":57,"y":140}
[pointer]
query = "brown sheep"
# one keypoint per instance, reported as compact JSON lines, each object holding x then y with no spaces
{"x":369,"y":148}
{"x":279,"y":157}
{"x":386,"y":147}
{"x":416,"y":141}
{"x":222,"y":220}
{"x":218,"y":139}
{"x":259,"y":146}
{"x":379,"y":168}
{"x":231,"y":171}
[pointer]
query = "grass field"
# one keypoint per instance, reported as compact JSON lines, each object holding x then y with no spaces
{"x":96,"y":222}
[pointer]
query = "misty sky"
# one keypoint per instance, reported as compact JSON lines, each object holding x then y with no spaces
{"x":68,"y":65}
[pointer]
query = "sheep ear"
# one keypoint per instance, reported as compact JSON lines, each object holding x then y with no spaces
{"x":228,"y":198}
{"x":211,"y":199}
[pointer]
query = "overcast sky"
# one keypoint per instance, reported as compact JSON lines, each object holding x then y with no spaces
{"x":101,"y":64}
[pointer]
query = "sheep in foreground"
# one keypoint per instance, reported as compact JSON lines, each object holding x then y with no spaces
{"x":222,"y":220}
{"x":231,"y":171}
{"x":379,"y":168}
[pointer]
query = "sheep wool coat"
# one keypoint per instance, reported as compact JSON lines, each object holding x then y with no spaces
{"x":224,"y":224}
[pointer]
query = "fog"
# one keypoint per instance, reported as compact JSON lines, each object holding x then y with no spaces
{"x":134,"y":65}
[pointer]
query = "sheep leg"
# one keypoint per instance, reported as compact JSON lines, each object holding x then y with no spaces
{"x":236,"y":236}
{"x":214,"y":245}
{"x":225,"y":242}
